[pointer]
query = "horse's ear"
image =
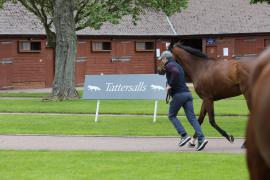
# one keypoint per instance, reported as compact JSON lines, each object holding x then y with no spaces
{"x":180,"y":42}
{"x":170,"y":47}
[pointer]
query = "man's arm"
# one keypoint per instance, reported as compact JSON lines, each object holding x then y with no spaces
{"x":174,"y":75}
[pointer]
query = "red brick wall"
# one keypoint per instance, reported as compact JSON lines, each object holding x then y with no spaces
{"x":35,"y":70}
{"x":28,"y":69}
{"x":101,"y":62}
{"x":239,"y":47}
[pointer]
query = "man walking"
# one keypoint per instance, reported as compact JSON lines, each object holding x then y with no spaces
{"x":181,"y":97}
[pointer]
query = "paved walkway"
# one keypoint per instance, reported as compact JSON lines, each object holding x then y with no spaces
{"x":98,"y":143}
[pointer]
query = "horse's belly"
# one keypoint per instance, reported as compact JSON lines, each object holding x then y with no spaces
{"x":218,"y":92}
{"x":226,"y":92}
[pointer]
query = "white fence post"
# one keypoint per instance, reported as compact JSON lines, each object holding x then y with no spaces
{"x":97,"y":110}
{"x":155,"y":111}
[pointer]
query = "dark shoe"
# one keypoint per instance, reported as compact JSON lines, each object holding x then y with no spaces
{"x":184,"y":140}
{"x":243,"y":145}
{"x":201,"y":145}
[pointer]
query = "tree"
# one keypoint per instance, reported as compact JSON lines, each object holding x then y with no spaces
{"x":69,"y":16}
{"x":259,"y":1}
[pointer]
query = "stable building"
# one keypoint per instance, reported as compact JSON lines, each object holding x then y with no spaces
{"x":225,"y":30}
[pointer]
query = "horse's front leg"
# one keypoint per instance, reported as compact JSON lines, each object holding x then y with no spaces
{"x":192,"y":143}
{"x":209,"y":104}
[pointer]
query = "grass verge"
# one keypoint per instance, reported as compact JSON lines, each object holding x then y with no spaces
{"x":78,"y":165}
{"x":111,"y":126}
{"x":224,"y":107}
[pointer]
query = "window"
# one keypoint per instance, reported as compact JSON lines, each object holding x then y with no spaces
{"x":145,"y":46}
{"x":266,"y":42}
{"x":29,"y":46}
{"x":101,"y":46}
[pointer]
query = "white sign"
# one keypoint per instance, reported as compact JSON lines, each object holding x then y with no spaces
{"x":128,"y":86}
{"x":225,"y":51}
{"x":157,"y":52}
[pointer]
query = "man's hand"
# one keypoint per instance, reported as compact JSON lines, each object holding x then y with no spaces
{"x":168,"y":87}
{"x":169,"y":90}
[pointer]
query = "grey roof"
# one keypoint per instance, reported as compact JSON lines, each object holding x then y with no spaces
{"x":222,"y":17}
{"x":201,"y":17}
{"x":151,"y":23}
{"x":15,"y":19}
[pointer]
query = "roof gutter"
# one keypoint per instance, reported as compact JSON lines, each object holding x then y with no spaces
{"x":171,"y":25}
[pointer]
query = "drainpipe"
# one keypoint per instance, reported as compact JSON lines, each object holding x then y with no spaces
{"x":171,"y":26}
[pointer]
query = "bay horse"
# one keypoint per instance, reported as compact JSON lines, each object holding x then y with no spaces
{"x":258,"y":128}
{"x":213,"y":80}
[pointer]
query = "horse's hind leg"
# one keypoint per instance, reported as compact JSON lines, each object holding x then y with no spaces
{"x":209,"y":104}
{"x":200,"y":119}
{"x":247,"y":97}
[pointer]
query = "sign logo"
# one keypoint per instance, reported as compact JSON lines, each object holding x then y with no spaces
{"x":93,"y":88}
{"x":157,"y":88}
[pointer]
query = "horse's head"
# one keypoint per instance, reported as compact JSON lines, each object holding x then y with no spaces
{"x":173,"y":44}
{"x":161,"y":68}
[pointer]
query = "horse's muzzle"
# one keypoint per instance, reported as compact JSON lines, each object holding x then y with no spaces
{"x":161,"y":71}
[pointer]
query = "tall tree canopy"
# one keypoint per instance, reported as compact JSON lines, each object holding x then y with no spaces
{"x":62,"y":18}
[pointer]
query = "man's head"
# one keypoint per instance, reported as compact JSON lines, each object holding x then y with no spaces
{"x":165,"y":54}
{"x":164,"y":57}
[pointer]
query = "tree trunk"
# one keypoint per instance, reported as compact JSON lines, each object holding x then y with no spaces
{"x":51,"y":37}
{"x":65,"y":51}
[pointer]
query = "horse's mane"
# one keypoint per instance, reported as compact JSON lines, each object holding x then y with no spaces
{"x":189,"y":49}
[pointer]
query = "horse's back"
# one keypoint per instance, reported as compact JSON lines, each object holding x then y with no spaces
{"x":258,"y":131}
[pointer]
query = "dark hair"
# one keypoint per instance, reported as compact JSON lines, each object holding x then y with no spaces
{"x":193,"y":51}
{"x":189,"y":49}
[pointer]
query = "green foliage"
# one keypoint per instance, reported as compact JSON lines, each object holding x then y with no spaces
{"x":259,"y":1}
{"x":94,"y":14}
{"x":1,"y":3}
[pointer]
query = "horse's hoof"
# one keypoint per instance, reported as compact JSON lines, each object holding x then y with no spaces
{"x":243,"y":145}
{"x":191,"y":145}
{"x":231,"y":138}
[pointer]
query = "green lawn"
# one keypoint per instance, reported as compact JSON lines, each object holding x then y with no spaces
{"x":108,"y":125}
{"x":24,"y":95}
{"x":77,"y":165}
{"x":80,"y":165}
{"x":28,"y":94}
{"x":223,"y":107}
{"x":131,"y":126}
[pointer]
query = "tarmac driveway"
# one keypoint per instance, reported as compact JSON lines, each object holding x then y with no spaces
{"x":103,"y":143}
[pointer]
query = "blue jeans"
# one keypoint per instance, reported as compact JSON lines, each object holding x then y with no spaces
{"x":184,"y":99}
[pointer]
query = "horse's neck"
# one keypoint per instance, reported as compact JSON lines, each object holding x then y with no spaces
{"x":192,"y":66}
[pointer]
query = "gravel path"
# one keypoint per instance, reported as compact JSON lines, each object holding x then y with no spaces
{"x":103,"y":143}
